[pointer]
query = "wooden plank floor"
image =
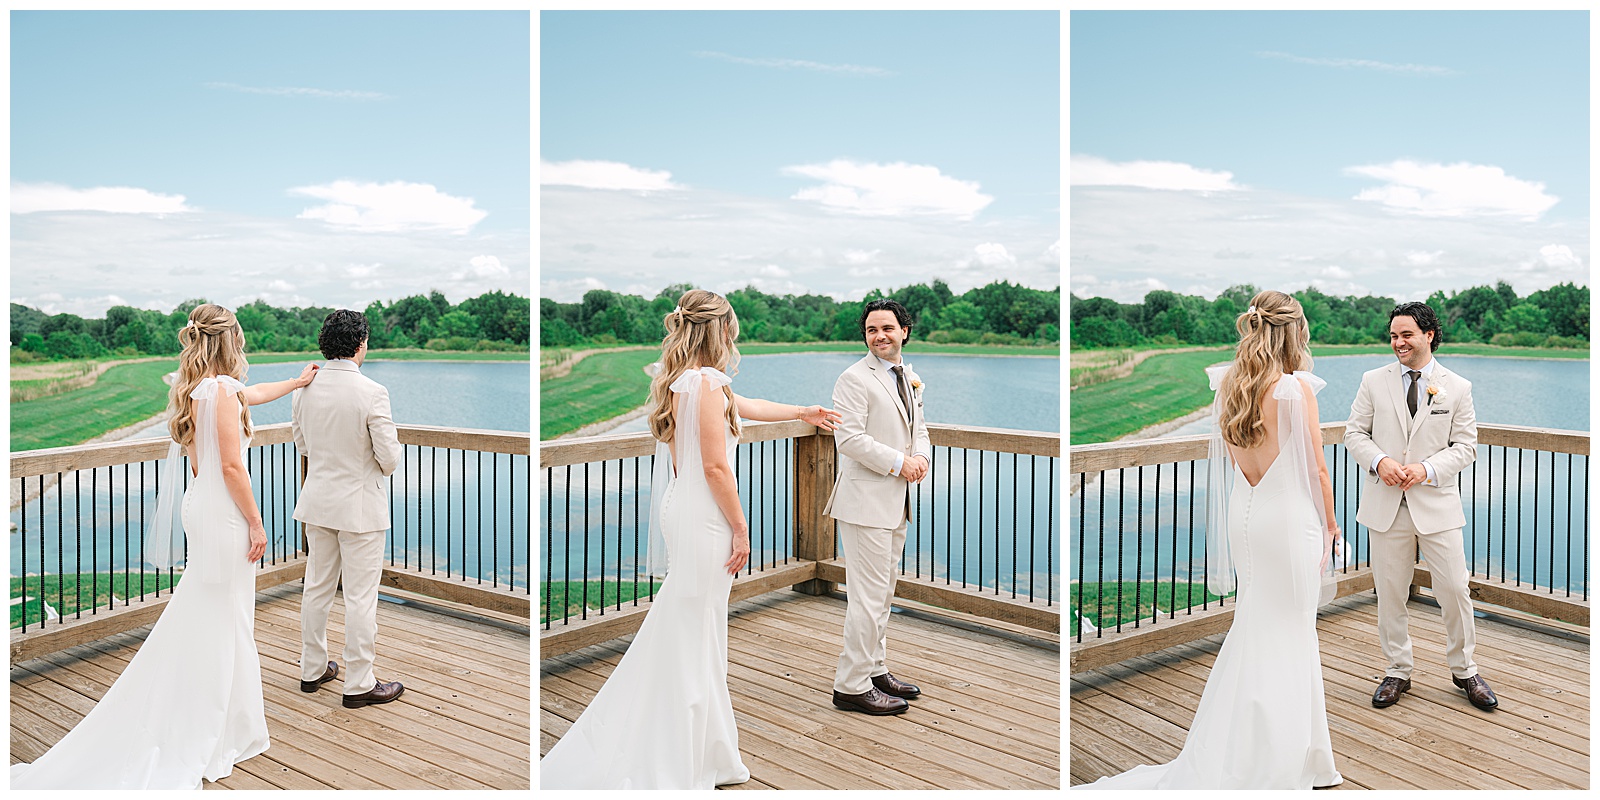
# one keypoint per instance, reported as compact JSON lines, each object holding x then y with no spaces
{"x":463,"y":722}
{"x":1138,"y":711}
{"x":989,"y":716}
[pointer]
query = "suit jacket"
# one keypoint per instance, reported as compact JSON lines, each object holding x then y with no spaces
{"x":874,"y":431}
{"x":343,"y":428}
{"x":1443,"y":433}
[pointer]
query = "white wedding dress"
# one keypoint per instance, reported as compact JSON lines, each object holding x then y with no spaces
{"x":188,"y":706}
{"x":664,"y":719}
{"x":1262,"y":721}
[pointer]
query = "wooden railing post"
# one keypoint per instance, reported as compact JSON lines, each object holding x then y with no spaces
{"x":814,"y":461}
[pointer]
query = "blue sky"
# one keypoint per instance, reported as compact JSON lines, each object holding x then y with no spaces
{"x":1390,"y":153}
{"x":306,"y":158}
{"x":823,"y":152}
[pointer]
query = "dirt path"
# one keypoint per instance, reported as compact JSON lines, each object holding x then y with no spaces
{"x":59,"y":369}
{"x":1093,"y":375}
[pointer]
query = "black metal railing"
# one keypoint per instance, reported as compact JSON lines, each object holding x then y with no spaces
{"x":81,"y":522}
{"x":1140,"y":550}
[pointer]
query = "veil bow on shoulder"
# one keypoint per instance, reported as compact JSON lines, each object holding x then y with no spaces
{"x":1296,"y":450}
{"x":686,"y":432}
{"x":164,"y":543}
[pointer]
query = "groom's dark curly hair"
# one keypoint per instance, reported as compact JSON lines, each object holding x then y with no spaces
{"x":1425,"y":318}
{"x":901,"y":315}
{"x":343,"y":331}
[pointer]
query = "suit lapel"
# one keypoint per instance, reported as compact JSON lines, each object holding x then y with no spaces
{"x":886,"y":380}
{"x":1397,"y":397}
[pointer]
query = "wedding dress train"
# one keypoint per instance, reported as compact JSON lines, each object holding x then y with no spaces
{"x":664,"y":719}
{"x":1262,"y":720}
{"x":189,"y":705}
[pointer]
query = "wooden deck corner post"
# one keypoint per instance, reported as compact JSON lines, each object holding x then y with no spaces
{"x":814,"y":460}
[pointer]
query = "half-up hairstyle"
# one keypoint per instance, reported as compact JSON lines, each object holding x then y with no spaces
{"x":701,"y":332}
{"x":213,"y":344}
{"x":1273,"y":338}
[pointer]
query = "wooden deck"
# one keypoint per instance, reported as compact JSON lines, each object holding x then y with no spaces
{"x":989,"y":716}
{"x":1137,"y":712}
{"x":463,"y":722}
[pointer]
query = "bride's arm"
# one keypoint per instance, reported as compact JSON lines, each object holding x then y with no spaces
{"x":719,"y":474}
{"x":257,"y":393}
{"x":767,"y":411}
{"x":234,"y":474}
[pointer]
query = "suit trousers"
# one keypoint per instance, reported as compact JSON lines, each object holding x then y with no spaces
{"x":870,"y":556}
{"x":357,"y":557}
{"x":1393,"y":557}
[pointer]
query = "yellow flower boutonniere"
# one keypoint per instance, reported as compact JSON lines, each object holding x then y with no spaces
{"x":1435,"y":392}
{"x":916,"y":387}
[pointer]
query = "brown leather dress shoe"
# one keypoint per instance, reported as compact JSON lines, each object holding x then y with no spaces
{"x":871,"y":702}
{"x":1389,"y":691}
{"x":894,"y":687}
{"x":311,"y":686}
{"x":1478,"y":692}
{"x":380,"y":693}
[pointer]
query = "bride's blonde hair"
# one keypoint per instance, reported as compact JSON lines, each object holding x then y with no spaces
{"x":1273,"y":338}
{"x":213,"y":344}
{"x":701,"y":332}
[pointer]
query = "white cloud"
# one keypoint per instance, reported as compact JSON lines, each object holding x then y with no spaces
{"x":393,"y":206}
{"x":299,"y":91}
{"x":1335,"y":272}
{"x":1169,"y":175}
{"x":28,"y":198}
{"x":1122,"y":291}
{"x":480,"y":267}
{"x":773,"y":271}
{"x":860,"y":256}
{"x":1558,"y":256}
{"x":897,"y":189}
{"x":280,"y":286}
{"x":1453,"y":190}
{"x":1052,"y":254}
{"x":1360,"y":63}
{"x":992,"y":255}
{"x":613,"y":175}
{"x":794,"y":63}
{"x":361,"y":270}
{"x":1423,"y":258}
{"x":569,"y":291}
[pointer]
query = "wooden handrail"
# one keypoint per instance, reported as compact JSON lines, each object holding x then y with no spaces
{"x":1143,"y":453}
{"x":29,"y":463}
{"x":637,"y":445}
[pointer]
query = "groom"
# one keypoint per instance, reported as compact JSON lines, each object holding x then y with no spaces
{"x":343,"y":429}
{"x":883,"y":448}
{"x":1413,"y":428}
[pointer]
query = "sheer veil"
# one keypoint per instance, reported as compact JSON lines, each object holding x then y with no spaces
{"x":1299,"y":454}
{"x":164,"y":544}
{"x":686,"y":430}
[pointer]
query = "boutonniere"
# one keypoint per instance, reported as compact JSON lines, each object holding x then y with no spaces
{"x":916,"y":387}
{"x":1435,"y":391}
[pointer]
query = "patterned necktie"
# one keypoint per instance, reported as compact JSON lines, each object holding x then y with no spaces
{"x":1411,"y":395}
{"x":905,"y":391}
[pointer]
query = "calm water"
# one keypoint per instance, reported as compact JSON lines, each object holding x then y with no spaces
{"x":435,"y":496}
{"x":1550,"y":549}
{"x":987,"y":518}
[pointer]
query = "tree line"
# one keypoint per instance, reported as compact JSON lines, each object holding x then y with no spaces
{"x":491,"y":321}
{"x":999,"y":313}
{"x":1553,"y":317}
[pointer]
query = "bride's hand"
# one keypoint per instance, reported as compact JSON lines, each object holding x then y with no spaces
{"x":741,"y":552}
{"x":824,"y":418}
{"x":306,"y":375}
{"x":258,"y":542}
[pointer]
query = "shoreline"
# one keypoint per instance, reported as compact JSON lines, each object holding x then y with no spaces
{"x":597,"y":428}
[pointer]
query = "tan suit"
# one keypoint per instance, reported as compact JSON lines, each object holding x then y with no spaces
{"x":343,"y":428}
{"x":872,"y":507}
{"x":1444,"y":434}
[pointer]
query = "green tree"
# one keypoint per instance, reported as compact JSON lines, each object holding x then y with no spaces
{"x":962,"y":315}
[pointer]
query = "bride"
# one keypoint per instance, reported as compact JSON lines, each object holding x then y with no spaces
{"x":664,"y":719}
{"x":1262,"y":722}
{"x":188,"y":706}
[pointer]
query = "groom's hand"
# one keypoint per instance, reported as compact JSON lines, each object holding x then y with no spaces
{"x":1391,"y":472}
{"x":1414,"y":474}
{"x":914,"y":469}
